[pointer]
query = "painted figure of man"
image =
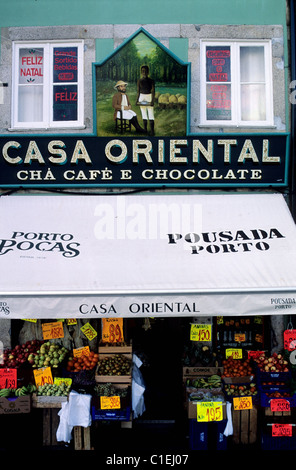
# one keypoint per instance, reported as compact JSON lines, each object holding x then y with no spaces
{"x":121,"y":102}
{"x":145,"y":98}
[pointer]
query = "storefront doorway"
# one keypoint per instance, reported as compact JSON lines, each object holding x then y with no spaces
{"x":159,"y":343}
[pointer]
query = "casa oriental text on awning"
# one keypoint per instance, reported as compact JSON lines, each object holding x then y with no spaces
{"x":146,"y":255}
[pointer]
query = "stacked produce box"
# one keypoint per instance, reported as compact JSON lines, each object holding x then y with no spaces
{"x":204,"y":384}
{"x":278,"y":400}
{"x":112,"y":393}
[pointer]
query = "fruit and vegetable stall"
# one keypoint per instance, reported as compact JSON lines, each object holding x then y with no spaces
{"x":233,"y":394}
{"x":240,"y":394}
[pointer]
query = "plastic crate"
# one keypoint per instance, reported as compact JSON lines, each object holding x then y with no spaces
{"x":269,"y":442}
{"x":273,"y":376}
{"x":265,"y":400}
{"x":207,"y":436}
{"x":274,"y":388}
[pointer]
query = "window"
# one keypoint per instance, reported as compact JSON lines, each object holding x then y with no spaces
{"x":47,"y":85}
{"x":236,"y":83}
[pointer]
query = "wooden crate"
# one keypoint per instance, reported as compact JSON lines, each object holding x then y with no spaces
{"x":40,"y":401}
{"x":108,"y":348}
{"x":82,"y":438}
{"x":245,"y":426}
{"x":268,"y":412}
{"x":125,"y":379}
{"x":50,"y":407}
{"x":50,"y":424}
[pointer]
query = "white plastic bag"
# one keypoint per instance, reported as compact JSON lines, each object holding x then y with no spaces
{"x":228,"y":431}
{"x":64,"y":431}
{"x":74,"y":412}
{"x":79,"y":409}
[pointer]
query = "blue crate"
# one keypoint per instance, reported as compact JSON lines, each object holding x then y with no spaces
{"x":273,"y":376}
{"x":265,"y":400}
{"x":207,"y":436}
{"x":269,"y":442}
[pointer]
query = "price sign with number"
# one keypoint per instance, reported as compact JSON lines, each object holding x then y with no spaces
{"x":279,"y":404}
{"x":234,"y":353}
{"x":209,"y":411}
{"x":110,"y":403}
{"x":239,"y":337}
{"x":53,"y":330}
{"x":242,"y":403}
{"x":8,"y":378}
{"x":43,"y":376}
{"x":83,"y":351}
{"x":62,"y":380}
{"x":89,"y":331}
{"x":279,"y":429}
{"x":112,"y":330}
{"x":200,"y":332}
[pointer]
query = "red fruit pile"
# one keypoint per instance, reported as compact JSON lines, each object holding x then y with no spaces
{"x":274,"y":363}
{"x":18,"y":356}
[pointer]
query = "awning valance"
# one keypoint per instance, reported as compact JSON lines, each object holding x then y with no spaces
{"x":65,"y":256}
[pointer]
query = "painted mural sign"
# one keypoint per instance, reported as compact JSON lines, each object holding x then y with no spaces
{"x":142,"y":82}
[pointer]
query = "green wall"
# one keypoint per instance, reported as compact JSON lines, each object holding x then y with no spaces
{"x":77,"y":12}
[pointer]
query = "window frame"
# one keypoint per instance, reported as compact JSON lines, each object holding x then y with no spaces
{"x":235,"y":66}
{"x":48,"y":84}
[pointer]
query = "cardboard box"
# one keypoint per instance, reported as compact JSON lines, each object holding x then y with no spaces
{"x":189,"y":372}
{"x":15,"y":405}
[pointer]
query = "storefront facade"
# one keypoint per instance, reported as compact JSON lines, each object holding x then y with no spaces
{"x":175,"y":208}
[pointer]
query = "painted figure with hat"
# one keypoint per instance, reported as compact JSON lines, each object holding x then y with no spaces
{"x":121,"y":102}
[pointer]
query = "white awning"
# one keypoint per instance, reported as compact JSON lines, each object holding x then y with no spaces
{"x":146,"y":255}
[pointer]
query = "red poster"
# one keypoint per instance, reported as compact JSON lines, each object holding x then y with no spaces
{"x":290,"y":340}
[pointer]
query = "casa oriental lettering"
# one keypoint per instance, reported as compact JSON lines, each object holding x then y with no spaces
{"x":237,"y":160}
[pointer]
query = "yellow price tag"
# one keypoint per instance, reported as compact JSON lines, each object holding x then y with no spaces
{"x":71,"y":321}
{"x":89,"y":331}
{"x":239,"y":337}
{"x":242,"y":403}
{"x":209,"y":411}
{"x":200,"y":332}
{"x":83,"y":351}
{"x":53,"y":330}
{"x":43,"y":376}
{"x":62,"y":380}
{"x":110,"y":403}
{"x":235,"y":353}
{"x":112,"y":330}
